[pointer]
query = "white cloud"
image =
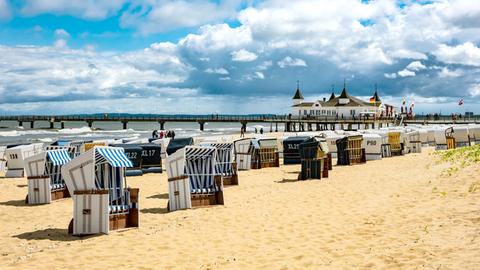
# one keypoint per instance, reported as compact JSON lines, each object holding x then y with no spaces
{"x":220,"y":71}
{"x":416,"y":66}
{"x":291,"y":62}
{"x":243,"y":56}
{"x":161,"y":16}
{"x":217,"y":37}
{"x":5,"y":10}
{"x":406,"y":73}
{"x":260,"y":75}
{"x":447,"y":73}
{"x":475,"y":90}
{"x":61,"y":33}
{"x":265,"y":65}
{"x":390,"y":75}
{"x":464,"y":54}
{"x":87,"y":9}
{"x":35,"y":74}
{"x":60,"y":43}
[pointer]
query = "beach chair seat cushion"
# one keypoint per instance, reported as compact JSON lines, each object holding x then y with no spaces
{"x":58,"y":186}
{"x":118,"y":208}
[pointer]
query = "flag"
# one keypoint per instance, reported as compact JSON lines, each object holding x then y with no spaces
{"x":460,"y":102}
{"x":372,"y":100}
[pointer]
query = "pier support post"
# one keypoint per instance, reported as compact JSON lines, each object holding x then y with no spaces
{"x":52,"y":124}
{"x":20,"y":123}
{"x":276,"y":127}
{"x":90,"y":124}
{"x":32,"y":124}
{"x":125,"y":124}
{"x":62,"y":125}
{"x":373,"y":125}
{"x":202,"y":125}
{"x":162,"y":125}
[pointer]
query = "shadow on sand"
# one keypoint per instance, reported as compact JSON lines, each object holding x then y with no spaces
{"x":17,"y":203}
{"x":158,"y":210}
{"x":54,"y":234}
{"x":159,"y":196}
{"x":284,"y":180}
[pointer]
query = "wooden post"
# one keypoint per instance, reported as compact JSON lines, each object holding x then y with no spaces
{"x":20,"y":123}
{"x":162,"y":125}
{"x":202,"y":125}
{"x":125,"y":124}
{"x":276,"y":126}
{"x":62,"y":125}
{"x":90,"y":124}
{"x":32,"y":125}
{"x":52,"y":124}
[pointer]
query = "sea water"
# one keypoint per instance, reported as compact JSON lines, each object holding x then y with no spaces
{"x":11,"y":133}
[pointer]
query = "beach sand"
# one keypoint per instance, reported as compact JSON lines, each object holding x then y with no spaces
{"x":393,"y":213}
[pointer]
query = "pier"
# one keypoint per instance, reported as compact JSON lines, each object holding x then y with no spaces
{"x":290,"y":123}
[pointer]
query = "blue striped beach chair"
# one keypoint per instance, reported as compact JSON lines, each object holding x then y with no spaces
{"x":45,"y":180}
{"x":193,"y":179}
{"x":102,"y":201}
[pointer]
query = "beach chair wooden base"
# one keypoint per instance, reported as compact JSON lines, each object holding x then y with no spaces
{"x":231,"y":180}
{"x":270,"y":164}
{"x":116,"y":221}
{"x":200,"y":200}
{"x":313,"y":169}
{"x":328,"y":162}
{"x":396,"y":149}
{"x":56,"y":195}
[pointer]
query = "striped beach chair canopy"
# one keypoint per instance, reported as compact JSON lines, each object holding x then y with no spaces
{"x":115,"y":156}
{"x":59,"y":157}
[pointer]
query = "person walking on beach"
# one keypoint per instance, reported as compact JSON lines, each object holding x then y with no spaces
{"x":242,"y":133}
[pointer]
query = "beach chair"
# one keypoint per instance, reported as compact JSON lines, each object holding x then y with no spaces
{"x":45,"y":180}
{"x":72,"y":150}
{"x":178,"y":143}
{"x":134,"y":154}
{"x":15,"y":156}
{"x":291,"y":153}
{"x":474,"y":134}
{"x":163,"y":146}
{"x":441,"y":139}
{"x":102,"y":202}
{"x":243,"y":153}
{"x":89,"y":145}
{"x":372,"y":143}
{"x":225,"y":165}
{"x":396,"y":146}
{"x":314,"y":159}
{"x":415,"y":144}
{"x":192,"y":178}
{"x":457,"y":137}
{"x":3,"y":161}
{"x":265,"y":153}
{"x":151,"y":158}
{"x":350,"y":151}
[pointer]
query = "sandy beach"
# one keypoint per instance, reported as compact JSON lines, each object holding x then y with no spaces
{"x":399,"y":212}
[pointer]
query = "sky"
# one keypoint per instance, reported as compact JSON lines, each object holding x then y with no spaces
{"x":235,"y":56}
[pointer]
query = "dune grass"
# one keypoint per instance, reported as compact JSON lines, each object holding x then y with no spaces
{"x":459,"y":158}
